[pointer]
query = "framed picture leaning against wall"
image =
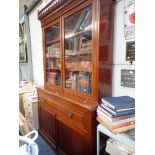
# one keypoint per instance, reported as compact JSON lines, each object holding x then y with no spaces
{"x":22,"y":52}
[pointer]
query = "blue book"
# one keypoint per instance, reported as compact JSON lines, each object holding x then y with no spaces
{"x":113,"y":115}
{"x":122,"y":112}
{"x":117,"y":103}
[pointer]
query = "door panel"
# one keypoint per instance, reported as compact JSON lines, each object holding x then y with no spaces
{"x":70,"y":141}
{"x":47,"y":124}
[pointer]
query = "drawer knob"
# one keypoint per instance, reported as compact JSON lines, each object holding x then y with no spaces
{"x":44,"y":101}
{"x":69,"y":114}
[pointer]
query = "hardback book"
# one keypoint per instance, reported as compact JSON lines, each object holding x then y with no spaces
{"x":116,"y":126}
{"x":114,"y":119}
{"x":84,"y":80}
{"x":114,"y":147}
{"x":117,"y":115}
{"x":117,"y":112}
{"x":116,"y":122}
{"x":119,"y":128}
{"x":121,"y":102}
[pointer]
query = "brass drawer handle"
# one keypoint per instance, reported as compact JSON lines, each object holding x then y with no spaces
{"x":69,"y":114}
{"x":44,"y":101}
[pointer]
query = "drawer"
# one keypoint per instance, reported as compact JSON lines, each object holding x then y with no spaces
{"x":71,"y":115}
{"x":66,"y":113}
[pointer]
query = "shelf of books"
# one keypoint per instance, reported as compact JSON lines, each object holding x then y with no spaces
{"x":53,"y":55}
{"x":78,"y":51}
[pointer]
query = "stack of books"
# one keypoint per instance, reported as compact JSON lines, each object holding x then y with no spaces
{"x":117,"y":113}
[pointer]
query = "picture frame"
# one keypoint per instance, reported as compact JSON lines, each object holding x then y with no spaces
{"x":22,"y":52}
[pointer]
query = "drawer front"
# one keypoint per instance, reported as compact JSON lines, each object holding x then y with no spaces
{"x":71,"y":115}
{"x":64,"y":112}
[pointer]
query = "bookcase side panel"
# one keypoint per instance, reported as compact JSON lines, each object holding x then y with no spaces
{"x":106,"y":47}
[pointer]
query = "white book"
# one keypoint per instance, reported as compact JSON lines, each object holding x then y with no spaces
{"x":116,"y":148}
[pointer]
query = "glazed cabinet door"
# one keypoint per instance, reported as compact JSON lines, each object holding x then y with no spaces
{"x":71,"y":141}
{"x":52,"y":54}
{"x":48,"y":124}
{"x":78,"y":50}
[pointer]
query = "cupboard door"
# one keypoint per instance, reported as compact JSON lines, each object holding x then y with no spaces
{"x":47,"y":124}
{"x":70,"y":140}
{"x":78,"y":50}
{"x":53,"y":54}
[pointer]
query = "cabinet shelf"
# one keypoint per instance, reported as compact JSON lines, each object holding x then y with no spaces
{"x":53,"y":58}
{"x":77,"y":70}
{"x":54,"y":69}
{"x":78,"y":54}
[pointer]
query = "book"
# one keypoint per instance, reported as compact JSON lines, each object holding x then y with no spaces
{"x":118,"y":148}
{"x":114,"y":119}
{"x":113,"y":115}
{"x":116,"y":126}
{"x":84,"y":80}
{"x":116,"y":122}
{"x":117,"y":112}
{"x":120,"y":102}
{"x":116,"y":130}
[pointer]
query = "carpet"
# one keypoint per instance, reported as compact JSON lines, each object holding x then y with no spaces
{"x":44,"y":148}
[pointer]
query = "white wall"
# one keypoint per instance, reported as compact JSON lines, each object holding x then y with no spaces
{"x":119,"y":53}
{"x":36,"y":46}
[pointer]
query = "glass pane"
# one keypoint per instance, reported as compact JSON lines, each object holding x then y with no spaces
{"x":53,"y":54}
{"x":78,"y":51}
